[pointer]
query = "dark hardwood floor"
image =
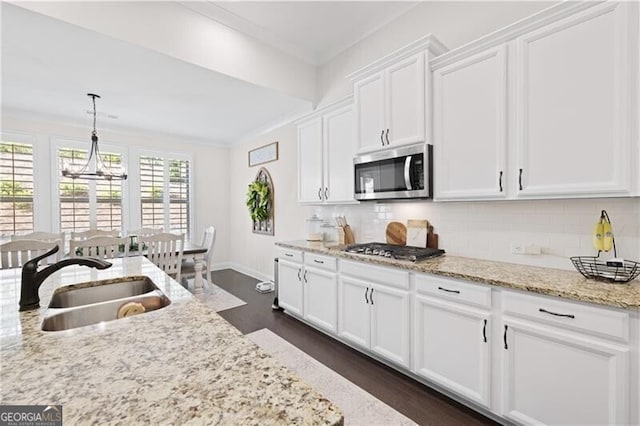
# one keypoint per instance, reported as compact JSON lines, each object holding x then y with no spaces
{"x":416,"y":401}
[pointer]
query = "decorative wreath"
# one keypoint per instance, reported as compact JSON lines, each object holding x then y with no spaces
{"x":258,"y":201}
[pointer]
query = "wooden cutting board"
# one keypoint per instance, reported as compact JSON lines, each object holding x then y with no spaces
{"x":396,"y":234}
{"x":417,"y":233}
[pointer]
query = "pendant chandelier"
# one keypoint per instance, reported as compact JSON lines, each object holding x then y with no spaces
{"x":95,"y":168}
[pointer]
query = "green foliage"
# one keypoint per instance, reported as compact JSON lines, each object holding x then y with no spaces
{"x":13,"y":189}
{"x":258,"y":201}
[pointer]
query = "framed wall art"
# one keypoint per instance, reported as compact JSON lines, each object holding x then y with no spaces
{"x":264,"y":154}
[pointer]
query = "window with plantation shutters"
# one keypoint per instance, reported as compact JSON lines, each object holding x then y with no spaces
{"x":179,"y":196}
{"x":165,"y":200}
{"x":16,"y":188}
{"x":88,"y":204}
{"x":152,"y":192}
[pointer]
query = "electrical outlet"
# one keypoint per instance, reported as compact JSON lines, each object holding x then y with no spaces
{"x":517,"y":248}
{"x":523,"y":248}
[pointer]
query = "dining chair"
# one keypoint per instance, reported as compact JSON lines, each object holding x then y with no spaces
{"x":48,"y":237}
{"x":188,"y":268}
{"x":14,"y":254}
{"x":165,"y":251}
{"x":144,"y":232}
{"x":83,"y":235}
{"x":100,"y":247}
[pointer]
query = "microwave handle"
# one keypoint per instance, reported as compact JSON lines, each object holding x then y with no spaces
{"x":407,"y":169}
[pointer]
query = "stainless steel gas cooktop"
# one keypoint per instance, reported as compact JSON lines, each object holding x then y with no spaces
{"x":413,"y":254}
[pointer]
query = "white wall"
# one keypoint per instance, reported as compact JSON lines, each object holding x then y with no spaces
{"x":253,"y":253}
{"x":177,"y":31}
{"x":474,"y":229}
{"x":210,"y":166}
{"x":454,"y":23}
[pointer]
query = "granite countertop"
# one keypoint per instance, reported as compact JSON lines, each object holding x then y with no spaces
{"x":182,"y":364}
{"x":548,"y":281}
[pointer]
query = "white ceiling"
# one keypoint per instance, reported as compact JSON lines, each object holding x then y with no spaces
{"x":48,"y":66}
{"x":314,"y":31}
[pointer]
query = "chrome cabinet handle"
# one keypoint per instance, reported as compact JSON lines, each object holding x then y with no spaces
{"x":371,"y":296}
{"x":386,"y":136}
{"x":484,"y":331}
{"x":520,"y":180}
{"x":500,"y":181}
{"x":365,"y":295}
{"x":382,"y":140}
{"x":288,"y":254}
{"x":304,"y":276}
{"x":407,"y":172}
{"x":320,"y":194}
{"x":299,"y":272}
{"x":449,"y":291}
{"x":556,"y":314}
{"x":318,"y":261}
{"x":326,"y":193}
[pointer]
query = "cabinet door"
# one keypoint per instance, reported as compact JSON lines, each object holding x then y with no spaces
{"x":573,"y":105}
{"x":452,"y":347}
{"x":369,"y":107}
{"x":340,"y":148}
{"x":310,"y":187}
{"x":320,"y":295}
{"x":390,"y":333}
{"x":290,"y":286}
{"x":354,"y":311}
{"x":553,"y":377}
{"x":405,"y":101}
{"x":470,"y":124}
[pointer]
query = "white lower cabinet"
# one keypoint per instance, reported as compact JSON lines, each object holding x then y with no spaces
{"x":452,"y":347}
{"x":375,"y":317}
{"x":320,"y":292}
{"x":290,"y":286}
{"x":554,"y":377}
{"x":308,"y":292}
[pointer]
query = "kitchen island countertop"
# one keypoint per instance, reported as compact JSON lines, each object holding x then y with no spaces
{"x":547,"y":281}
{"x":177,"y":365}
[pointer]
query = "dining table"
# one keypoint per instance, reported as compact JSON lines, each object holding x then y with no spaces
{"x":197,"y":252}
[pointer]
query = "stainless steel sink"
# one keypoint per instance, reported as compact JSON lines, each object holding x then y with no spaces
{"x":93,"y":302}
{"x":101,"y":291}
{"x":100,"y":312}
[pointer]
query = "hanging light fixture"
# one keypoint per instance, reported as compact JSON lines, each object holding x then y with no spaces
{"x":95,"y":169}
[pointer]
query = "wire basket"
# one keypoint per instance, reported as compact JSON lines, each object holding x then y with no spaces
{"x":612,"y":271}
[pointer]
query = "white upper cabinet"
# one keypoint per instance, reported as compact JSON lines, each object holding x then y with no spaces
{"x":390,"y":106}
{"x":369,"y":105}
{"x":469,"y":127}
{"x":405,"y":101}
{"x":544,"y":108}
{"x":310,"y":185}
{"x":574,"y":102}
{"x":326,"y":147}
{"x":391,"y":98}
{"x":339,"y":150}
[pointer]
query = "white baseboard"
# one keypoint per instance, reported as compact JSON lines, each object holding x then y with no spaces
{"x":242,"y":269}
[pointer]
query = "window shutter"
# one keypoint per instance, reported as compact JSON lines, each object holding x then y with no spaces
{"x":179,"y":196}
{"x":109,"y":197}
{"x":75,"y":213}
{"x":152,"y":192}
{"x":16,"y":188}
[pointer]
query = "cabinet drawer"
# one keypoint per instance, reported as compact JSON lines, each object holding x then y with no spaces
{"x":452,"y":289}
{"x":319,"y":261}
{"x":289,"y":254}
{"x":367,"y":272}
{"x":575,"y":316}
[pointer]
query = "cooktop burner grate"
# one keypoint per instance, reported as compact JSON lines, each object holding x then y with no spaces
{"x":413,"y":254}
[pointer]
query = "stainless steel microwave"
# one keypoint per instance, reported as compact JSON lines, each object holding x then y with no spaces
{"x":401,"y":173}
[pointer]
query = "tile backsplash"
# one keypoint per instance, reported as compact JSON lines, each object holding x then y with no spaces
{"x":487,"y":230}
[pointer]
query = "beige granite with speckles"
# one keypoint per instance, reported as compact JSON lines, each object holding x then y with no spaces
{"x":182,"y":364}
{"x":551,"y":282}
